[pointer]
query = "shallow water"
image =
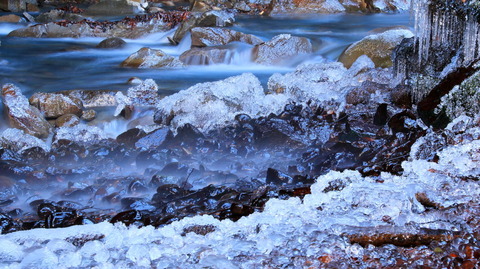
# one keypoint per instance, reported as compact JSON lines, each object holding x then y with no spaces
{"x":63,"y":64}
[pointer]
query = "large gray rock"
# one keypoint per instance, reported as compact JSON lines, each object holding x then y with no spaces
{"x":117,"y":7}
{"x":21,"y":114}
{"x":378,"y":47}
{"x":214,"y":36}
{"x":206,"y":56}
{"x":151,"y":58}
{"x":281,"y":48}
{"x":54,"y":105}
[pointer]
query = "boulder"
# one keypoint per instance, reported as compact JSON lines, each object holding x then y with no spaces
{"x":81,"y":134}
{"x":151,"y":58}
{"x":213,"y":18}
{"x":21,"y":114}
{"x":206,"y":56}
{"x":281,"y":48}
{"x":54,"y":105}
{"x":112,"y":43}
{"x":13,"y":6}
{"x":214,"y":36}
{"x":10,"y":18}
{"x":67,"y":120}
{"x":377,"y":47}
{"x":58,"y":15}
{"x":89,"y":115}
{"x":117,"y":7}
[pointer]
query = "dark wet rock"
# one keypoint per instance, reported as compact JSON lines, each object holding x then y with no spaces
{"x":6,"y":224}
{"x":154,"y":139}
{"x":112,"y":43}
{"x":10,"y":18}
{"x":67,"y":120}
{"x":277,"y":178}
{"x":116,"y":7}
{"x":54,"y":105}
{"x":130,"y":137}
{"x":207,"y":56}
{"x":381,"y":115}
{"x":21,"y":114}
{"x":214,"y":36}
{"x":151,"y":58}
{"x":168,"y":192}
{"x":401,"y":96}
{"x":132,"y":217}
{"x":58,"y":15}
{"x":377,"y":47}
{"x":403,"y":122}
{"x":281,"y":48}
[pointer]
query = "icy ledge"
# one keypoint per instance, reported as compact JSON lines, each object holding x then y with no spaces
{"x":212,"y":105}
{"x":287,"y":232}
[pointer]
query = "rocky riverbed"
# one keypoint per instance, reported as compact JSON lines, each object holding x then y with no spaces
{"x":368,"y":161}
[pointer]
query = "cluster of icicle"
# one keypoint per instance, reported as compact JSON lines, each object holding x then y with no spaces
{"x":444,"y":24}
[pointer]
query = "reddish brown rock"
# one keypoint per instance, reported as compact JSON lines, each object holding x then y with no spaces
{"x":281,"y":48}
{"x":21,"y":114}
{"x":54,"y":105}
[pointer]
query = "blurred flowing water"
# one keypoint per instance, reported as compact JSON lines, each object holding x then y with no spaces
{"x":62,"y":64}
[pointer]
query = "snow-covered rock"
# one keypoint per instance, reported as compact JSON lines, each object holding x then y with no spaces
{"x":21,"y":114}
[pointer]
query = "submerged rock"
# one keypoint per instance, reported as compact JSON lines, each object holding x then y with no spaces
{"x":151,"y":58}
{"x":214,"y":36}
{"x":378,"y":47}
{"x":280,"y":49}
{"x":112,"y":43}
{"x":54,"y":105}
{"x":21,"y":114}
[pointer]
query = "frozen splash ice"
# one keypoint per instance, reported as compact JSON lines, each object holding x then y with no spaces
{"x":19,"y":141}
{"x":289,"y":232}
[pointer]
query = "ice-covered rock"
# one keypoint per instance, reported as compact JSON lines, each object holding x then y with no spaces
{"x":19,"y":141}
{"x":214,"y":36}
{"x":144,"y":94}
{"x":151,"y":58}
{"x":21,"y":114}
{"x":54,"y":105}
{"x":93,"y":98}
{"x":211,"y":104}
{"x":306,"y":6}
{"x":281,"y":48}
{"x":81,"y":134}
{"x":377,"y":47}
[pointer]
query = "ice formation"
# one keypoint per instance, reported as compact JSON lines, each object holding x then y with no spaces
{"x":214,"y":104}
{"x":288,"y":233}
{"x":17,"y":140}
{"x":144,"y":94}
{"x":81,"y":133}
{"x":449,"y":23}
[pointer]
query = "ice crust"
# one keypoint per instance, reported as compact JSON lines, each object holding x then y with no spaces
{"x":288,"y":232}
{"x":19,"y":141}
{"x":211,"y":105}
